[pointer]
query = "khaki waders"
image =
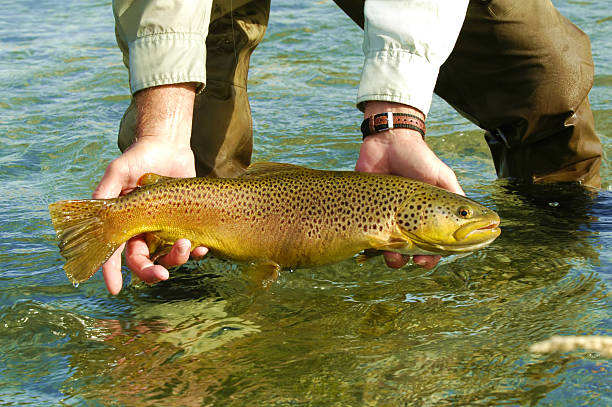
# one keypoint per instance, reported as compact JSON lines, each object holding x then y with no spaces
{"x":519,"y":70}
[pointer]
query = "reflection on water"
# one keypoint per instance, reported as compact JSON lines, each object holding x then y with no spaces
{"x":344,"y":335}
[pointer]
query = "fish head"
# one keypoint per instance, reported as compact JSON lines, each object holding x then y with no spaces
{"x":441,"y":222}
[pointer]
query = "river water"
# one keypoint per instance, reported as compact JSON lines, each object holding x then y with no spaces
{"x":341,"y":335}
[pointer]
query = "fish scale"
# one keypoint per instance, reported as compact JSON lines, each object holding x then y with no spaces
{"x":276,"y":214}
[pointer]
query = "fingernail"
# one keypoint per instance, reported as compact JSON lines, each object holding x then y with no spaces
{"x":421,"y":262}
{"x":183,"y":250}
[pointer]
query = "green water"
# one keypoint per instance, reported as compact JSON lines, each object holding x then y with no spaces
{"x":342,"y":335}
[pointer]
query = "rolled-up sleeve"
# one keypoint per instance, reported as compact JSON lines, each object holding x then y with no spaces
{"x":405,"y":43}
{"x":163,"y":41}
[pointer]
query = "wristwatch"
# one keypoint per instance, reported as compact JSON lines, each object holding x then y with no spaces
{"x":389,"y":120}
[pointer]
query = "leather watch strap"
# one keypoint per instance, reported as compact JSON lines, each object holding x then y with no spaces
{"x":389,"y":120}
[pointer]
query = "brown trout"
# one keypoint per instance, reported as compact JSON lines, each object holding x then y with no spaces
{"x":275,"y":215}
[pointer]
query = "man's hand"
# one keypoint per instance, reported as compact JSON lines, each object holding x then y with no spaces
{"x":162,"y":147}
{"x":404,"y":152}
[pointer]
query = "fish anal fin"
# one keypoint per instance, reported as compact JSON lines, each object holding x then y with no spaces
{"x":151,"y":178}
{"x":262,"y":275}
{"x":157,"y":246}
{"x":264,"y":168}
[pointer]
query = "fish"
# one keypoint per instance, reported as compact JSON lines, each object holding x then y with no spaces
{"x":276,"y":216}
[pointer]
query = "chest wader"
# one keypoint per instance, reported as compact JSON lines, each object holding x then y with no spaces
{"x":522,"y":72}
{"x":222,"y":131}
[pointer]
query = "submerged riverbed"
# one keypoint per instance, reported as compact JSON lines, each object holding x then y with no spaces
{"x":342,"y":335}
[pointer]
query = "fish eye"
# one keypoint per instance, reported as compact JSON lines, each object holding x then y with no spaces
{"x":465,"y":212}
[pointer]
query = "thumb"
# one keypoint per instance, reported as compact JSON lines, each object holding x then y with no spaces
{"x":111,"y":184}
{"x":448,"y":181}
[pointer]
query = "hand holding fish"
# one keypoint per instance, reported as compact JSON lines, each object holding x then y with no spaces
{"x":162,"y":146}
{"x":120,"y":177}
{"x":404,"y":152}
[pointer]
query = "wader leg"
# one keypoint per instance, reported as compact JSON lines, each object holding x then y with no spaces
{"x":222,"y":132}
{"x":522,"y":71}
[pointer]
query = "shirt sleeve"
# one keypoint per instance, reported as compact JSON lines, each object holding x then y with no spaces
{"x":405,"y":43}
{"x":163,"y":41}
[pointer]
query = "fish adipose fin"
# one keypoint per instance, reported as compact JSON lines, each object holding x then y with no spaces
{"x":81,"y":233}
{"x":265,"y":168}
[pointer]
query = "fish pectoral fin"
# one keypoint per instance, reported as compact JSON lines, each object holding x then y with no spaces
{"x":151,"y":178}
{"x":157,"y":246}
{"x":366,"y":255}
{"x":394,"y":244}
{"x":265,"y":168}
{"x":261,"y":275}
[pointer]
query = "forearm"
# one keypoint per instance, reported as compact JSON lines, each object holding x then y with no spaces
{"x":165,"y":113}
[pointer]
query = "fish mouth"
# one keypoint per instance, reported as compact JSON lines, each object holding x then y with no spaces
{"x":478,"y":231}
{"x":468,"y":238}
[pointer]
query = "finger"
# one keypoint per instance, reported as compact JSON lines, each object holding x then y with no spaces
{"x":450,"y":183}
{"x":199,"y":251}
{"x":111,"y":270}
{"x":456,"y":188}
{"x":137,"y":259}
{"x":179,"y":254}
{"x":395,"y":260}
{"x":111,"y":184}
{"x":427,"y":262}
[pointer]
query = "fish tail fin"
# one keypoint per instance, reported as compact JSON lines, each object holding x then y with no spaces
{"x":80,"y":228}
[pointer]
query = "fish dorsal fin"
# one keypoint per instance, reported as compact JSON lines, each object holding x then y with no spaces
{"x":150,"y":178}
{"x":265,"y":168}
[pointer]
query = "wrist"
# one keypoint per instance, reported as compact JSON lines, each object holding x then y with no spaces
{"x":381,"y":117}
{"x":373,"y":107}
{"x":396,"y":136}
{"x":165,"y":113}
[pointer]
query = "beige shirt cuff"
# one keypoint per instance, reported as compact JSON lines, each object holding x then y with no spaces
{"x":166,"y":58}
{"x":397,"y":76}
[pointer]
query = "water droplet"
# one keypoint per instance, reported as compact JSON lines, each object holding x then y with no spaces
{"x":75,"y":284}
{"x":553,"y":204}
